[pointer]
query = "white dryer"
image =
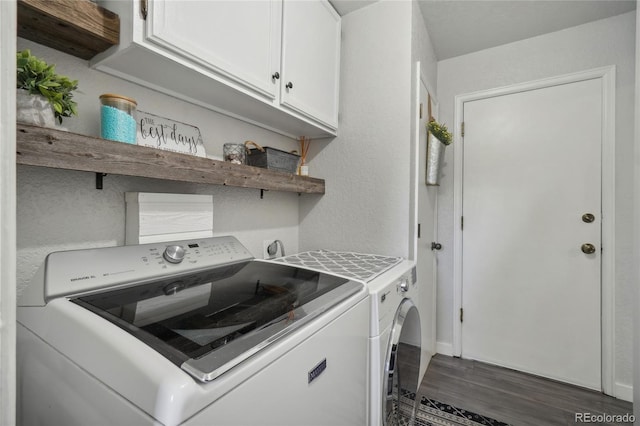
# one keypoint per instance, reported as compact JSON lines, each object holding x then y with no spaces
{"x":394,"y":346}
{"x":191,"y":333}
{"x":394,"y":329}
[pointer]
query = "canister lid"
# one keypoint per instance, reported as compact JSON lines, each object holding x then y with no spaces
{"x":114,"y":96}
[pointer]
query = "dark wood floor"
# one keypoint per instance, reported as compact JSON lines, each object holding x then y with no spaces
{"x":513,"y":397}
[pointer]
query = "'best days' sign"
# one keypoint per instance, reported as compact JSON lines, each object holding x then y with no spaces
{"x":159,"y":132}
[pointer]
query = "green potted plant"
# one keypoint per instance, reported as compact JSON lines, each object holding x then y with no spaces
{"x":438,"y":137}
{"x":440,"y":132}
{"x":41,"y":89}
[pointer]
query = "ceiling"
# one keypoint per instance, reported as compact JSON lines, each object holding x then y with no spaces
{"x":458,"y":27}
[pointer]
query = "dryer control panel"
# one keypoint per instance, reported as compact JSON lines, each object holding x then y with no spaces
{"x":389,"y":297}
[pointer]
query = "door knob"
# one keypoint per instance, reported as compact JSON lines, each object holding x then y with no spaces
{"x":588,"y":248}
{"x":436,"y":246}
{"x":588,"y":218}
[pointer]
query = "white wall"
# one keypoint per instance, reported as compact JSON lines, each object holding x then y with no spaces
{"x":7,"y":214}
{"x":636,"y":233}
{"x":59,"y":210}
{"x":422,"y":48}
{"x":605,"y":42}
{"x":367,"y":167}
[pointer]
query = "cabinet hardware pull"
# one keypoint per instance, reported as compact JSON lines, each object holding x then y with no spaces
{"x":275,"y":76}
{"x":289,"y":85}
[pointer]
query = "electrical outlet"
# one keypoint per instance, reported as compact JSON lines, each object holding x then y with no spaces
{"x":272,"y":249}
{"x":265,"y":249}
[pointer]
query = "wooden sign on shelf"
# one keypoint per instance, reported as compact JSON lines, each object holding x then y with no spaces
{"x":162,"y":133}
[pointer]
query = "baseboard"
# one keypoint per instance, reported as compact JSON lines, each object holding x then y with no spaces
{"x":624,"y":392}
{"x":444,"y":348}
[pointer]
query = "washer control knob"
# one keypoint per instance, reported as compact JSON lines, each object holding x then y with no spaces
{"x":174,"y":254}
{"x":404,"y":286}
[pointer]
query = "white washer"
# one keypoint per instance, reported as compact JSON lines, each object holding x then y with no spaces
{"x":197,"y":332}
{"x":394,"y":322}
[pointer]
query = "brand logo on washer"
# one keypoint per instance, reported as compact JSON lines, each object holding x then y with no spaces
{"x":86,"y":277}
{"x":317,"y":370}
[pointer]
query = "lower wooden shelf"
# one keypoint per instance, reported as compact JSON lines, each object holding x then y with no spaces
{"x":39,"y":146}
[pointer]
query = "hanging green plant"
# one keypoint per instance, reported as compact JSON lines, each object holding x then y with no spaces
{"x":39,"y":78}
{"x":440,"y":131}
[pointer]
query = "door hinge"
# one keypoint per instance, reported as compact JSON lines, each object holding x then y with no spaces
{"x":462,"y":129}
{"x":418,"y":230}
{"x":462,"y":222}
{"x":461,"y":314}
{"x":144,"y":7}
{"x":420,"y":109}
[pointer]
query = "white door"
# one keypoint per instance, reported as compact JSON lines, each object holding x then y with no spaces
{"x":532,"y":169}
{"x":426,"y":257}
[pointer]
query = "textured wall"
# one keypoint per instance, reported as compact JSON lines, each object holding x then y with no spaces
{"x":62,"y":209}
{"x":367,"y":167}
{"x":636,"y":233}
{"x":601,"y":43}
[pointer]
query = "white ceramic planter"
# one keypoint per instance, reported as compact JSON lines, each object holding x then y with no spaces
{"x":34,"y":109}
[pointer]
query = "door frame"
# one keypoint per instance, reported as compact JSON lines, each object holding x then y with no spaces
{"x":418,"y":186}
{"x":607,"y":76}
{"x":420,"y":78}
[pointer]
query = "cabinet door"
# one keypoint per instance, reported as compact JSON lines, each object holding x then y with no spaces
{"x":311,"y":60}
{"x":238,"y":40}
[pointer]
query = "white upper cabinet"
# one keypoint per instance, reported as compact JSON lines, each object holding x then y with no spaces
{"x":235,"y":57}
{"x":311,"y":59}
{"x":238,"y":39}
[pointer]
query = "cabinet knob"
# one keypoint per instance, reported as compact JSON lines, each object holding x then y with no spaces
{"x":289,"y":85}
{"x":275,"y":75}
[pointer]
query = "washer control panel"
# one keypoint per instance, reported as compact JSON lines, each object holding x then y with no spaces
{"x":174,"y":253}
{"x":79,"y":271}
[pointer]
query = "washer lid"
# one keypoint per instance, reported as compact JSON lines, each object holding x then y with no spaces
{"x":209,"y":321}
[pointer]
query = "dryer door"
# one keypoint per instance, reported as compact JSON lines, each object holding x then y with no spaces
{"x":402,"y":366}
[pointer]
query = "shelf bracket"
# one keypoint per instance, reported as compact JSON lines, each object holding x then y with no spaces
{"x":99,"y":177}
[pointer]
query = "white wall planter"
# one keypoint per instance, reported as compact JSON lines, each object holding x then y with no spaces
{"x":435,"y":157}
{"x":34,"y":109}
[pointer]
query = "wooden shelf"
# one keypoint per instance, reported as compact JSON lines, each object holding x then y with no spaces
{"x":38,"y":146}
{"x":77,"y":27}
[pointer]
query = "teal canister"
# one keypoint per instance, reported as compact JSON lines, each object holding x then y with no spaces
{"x":118,"y":118}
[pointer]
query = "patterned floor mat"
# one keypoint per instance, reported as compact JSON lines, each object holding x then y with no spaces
{"x":435,"y":413}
